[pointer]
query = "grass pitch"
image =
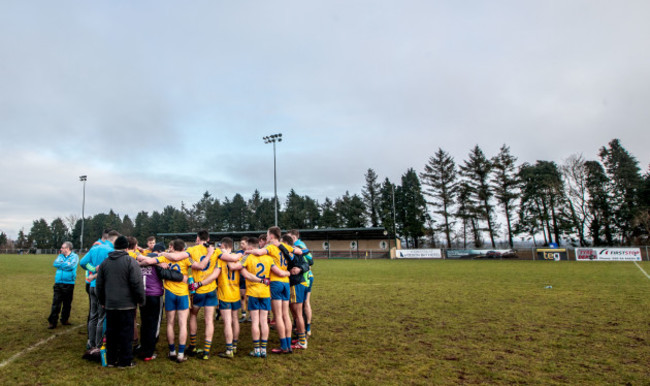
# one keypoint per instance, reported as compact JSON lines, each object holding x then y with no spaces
{"x":379,"y":321}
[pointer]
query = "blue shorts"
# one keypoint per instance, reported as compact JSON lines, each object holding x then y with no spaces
{"x":280,"y":291}
{"x":311,"y":283}
{"x":175,"y":302}
{"x":229,"y":305}
{"x":242,"y":283}
{"x":208,"y":299}
{"x":255,"y":304}
{"x":298,"y":293}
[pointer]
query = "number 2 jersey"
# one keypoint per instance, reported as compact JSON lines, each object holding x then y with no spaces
{"x":259,"y":266}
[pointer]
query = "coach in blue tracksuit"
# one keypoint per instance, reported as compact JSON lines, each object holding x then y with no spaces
{"x":66,"y":275}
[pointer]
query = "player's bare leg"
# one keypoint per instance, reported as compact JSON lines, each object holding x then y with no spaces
{"x":227,"y":317}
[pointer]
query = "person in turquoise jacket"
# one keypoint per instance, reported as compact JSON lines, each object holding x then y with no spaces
{"x":91,"y":262}
{"x":66,"y":275}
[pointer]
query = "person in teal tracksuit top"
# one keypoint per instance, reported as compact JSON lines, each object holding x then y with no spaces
{"x":66,"y":275}
{"x":91,"y":262}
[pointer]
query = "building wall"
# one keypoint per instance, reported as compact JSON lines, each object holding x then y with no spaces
{"x":344,"y":245}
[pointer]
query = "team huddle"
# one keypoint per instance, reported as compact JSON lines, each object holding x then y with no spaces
{"x":270,"y":273}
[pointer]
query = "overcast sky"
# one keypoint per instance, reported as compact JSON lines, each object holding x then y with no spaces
{"x":160,"y":101}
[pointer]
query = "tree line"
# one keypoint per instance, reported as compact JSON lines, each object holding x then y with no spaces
{"x":480,"y":202}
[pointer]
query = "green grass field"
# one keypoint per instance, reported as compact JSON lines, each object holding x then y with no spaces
{"x":379,"y":321}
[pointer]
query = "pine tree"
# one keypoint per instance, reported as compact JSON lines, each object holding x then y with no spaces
{"x":23,"y":241}
{"x":441,"y":184}
{"x":477,"y":170}
{"x":350,"y":211}
{"x":311,"y":213}
{"x":468,"y":213}
{"x":41,"y":234}
{"x":3,"y":240}
{"x":642,"y":220}
{"x":386,"y":206}
{"x":261,"y":212}
{"x":143,"y":227}
{"x":328,"y":218}
{"x":600,"y":224}
{"x":543,"y":196}
{"x":128,"y":227}
{"x":505,"y":185}
{"x":59,"y":233}
{"x":293,"y":216}
{"x":371,"y":197}
{"x":625,"y":182}
{"x":413,"y":206}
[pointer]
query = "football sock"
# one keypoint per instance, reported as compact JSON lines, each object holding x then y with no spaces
{"x":207,"y":346}
{"x":283,"y":343}
{"x":302,"y":338}
{"x":308,"y":327}
{"x":181,"y":349}
{"x":256,"y":346}
{"x":228,"y":347}
{"x":172,"y":348}
{"x":193,"y":340}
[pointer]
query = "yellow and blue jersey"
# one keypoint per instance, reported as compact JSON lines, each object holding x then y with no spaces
{"x":200,"y":275}
{"x":228,"y":288}
{"x":176,"y":287}
{"x":259,"y":266}
{"x":279,"y":261}
{"x":197,"y":252}
{"x":133,"y":254}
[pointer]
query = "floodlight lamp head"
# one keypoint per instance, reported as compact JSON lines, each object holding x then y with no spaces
{"x":83,"y":178}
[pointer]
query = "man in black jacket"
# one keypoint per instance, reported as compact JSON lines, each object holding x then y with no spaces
{"x":120,"y":290}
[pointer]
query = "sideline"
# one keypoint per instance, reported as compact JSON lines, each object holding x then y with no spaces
{"x":35,"y":346}
{"x":644,"y":272}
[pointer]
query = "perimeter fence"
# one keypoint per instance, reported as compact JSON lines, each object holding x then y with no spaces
{"x":534,"y":253}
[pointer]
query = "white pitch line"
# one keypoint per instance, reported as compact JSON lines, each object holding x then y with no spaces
{"x":644,"y":272}
{"x":35,"y":346}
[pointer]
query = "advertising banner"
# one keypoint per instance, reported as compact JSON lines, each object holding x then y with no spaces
{"x":553,"y":254}
{"x":608,"y":254}
{"x":481,"y":254}
{"x":418,"y":254}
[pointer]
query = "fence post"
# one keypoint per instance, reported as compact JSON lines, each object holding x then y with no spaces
{"x":533,"y":251}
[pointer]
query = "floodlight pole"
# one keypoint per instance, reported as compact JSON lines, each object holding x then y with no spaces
{"x":273,"y":139}
{"x":394,"y":217}
{"x":275,"y":185}
{"x":83,"y":207}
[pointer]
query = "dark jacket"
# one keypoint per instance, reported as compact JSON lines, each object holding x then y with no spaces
{"x":119,"y":282}
{"x":295,"y":261}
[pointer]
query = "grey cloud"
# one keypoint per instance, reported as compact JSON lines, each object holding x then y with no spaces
{"x":157,"y":92}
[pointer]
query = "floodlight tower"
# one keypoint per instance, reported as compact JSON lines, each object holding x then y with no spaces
{"x":273,"y":139}
{"x":83,"y":207}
